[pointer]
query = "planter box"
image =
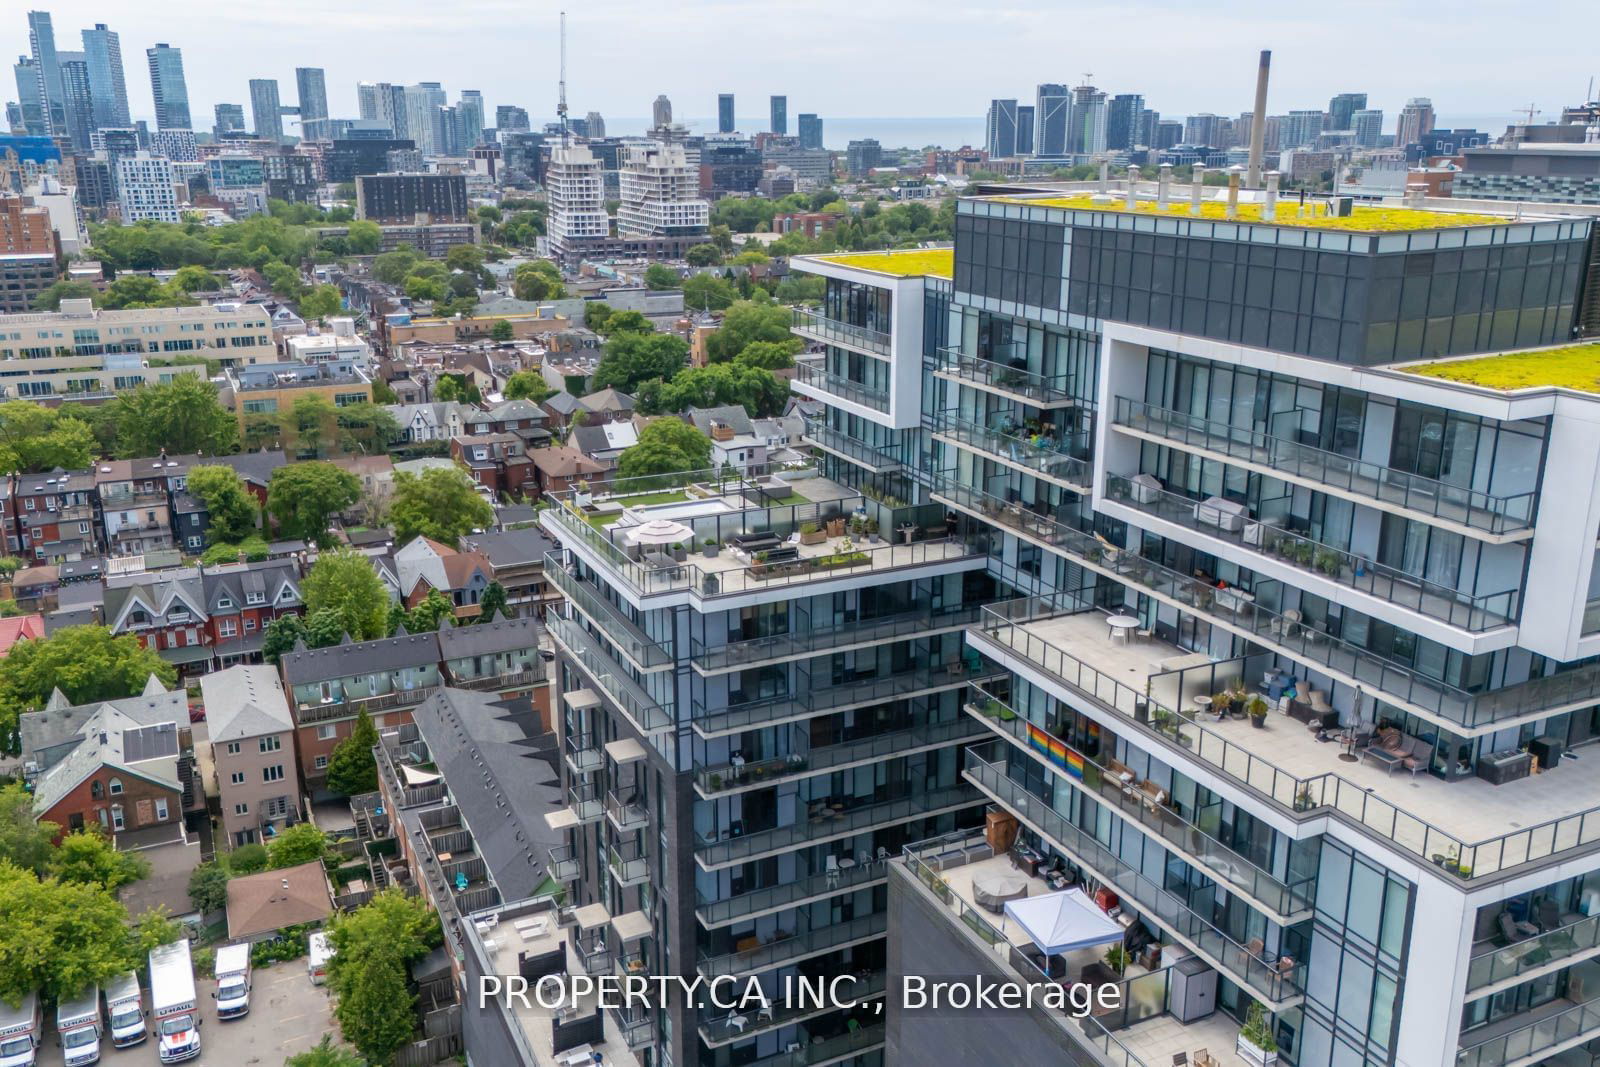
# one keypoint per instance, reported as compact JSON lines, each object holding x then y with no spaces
{"x":816,"y":538}
{"x":1249,"y":1052}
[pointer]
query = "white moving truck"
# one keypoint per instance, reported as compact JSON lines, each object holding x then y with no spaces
{"x":78,"y":1028}
{"x":125,"y":1010}
{"x":172,"y":1002}
{"x":233,"y":982}
{"x":19,"y":1031}
{"x":319,"y":952}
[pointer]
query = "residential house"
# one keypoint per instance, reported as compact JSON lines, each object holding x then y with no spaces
{"x":253,"y":750}
{"x":521,"y":417}
{"x":35,"y":588}
{"x":607,"y":404}
{"x":498,"y":461}
{"x":255,"y":468}
{"x":734,"y":442}
{"x":134,"y":504}
{"x":191,"y":522}
{"x":329,"y":687}
{"x":560,"y":407}
{"x":261,"y":905}
{"x":166,"y":611}
{"x":556,"y":469}
{"x":53,"y":515}
{"x":604,"y":442}
{"x":8,"y":515}
{"x":241,"y":599}
{"x":430,"y":422}
{"x":516,"y":560}
{"x":19,"y":628}
{"x":424,"y":565}
{"x":500,"y":657}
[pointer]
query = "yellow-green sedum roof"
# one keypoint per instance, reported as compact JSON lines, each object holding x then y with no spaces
{"x":1364,"y":220}
{"x":910,"y":263}
{"x":1568,"y":367}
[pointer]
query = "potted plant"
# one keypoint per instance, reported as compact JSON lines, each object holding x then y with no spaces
{"x":872,"y":530}
{"x":581,"y":495}
{"x":1302,"y":799}
{"x":1256,"y":1042}
{"x":680,"y":552}
{"x":1328,"y":562}
{"x":1220,"y":702}
{"x":710,"y":548}
{"x":835,"y":527}
{"x":1256,"y":708}
{"x":1117,"y":958}
{"x":1304,"y":553}
{"x":812,"y":534}
{"x":715,"y":782}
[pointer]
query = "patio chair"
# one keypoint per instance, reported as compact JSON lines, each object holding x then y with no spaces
{"x":1514,"y":930}
{"x":1202,"y":1058}
{"x":832,"y":869}
{"x":1180,"y":1059}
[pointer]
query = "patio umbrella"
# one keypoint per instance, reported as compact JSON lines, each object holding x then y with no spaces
{"x":660,"y":532}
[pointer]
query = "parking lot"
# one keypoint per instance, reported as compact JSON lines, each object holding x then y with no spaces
{"x":287,"y":1015}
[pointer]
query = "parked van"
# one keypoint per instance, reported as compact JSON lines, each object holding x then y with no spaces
{"x":318,"y":952}
{"x":233,"y":982}
{"x":125,"y":1010}
{"x":19,"y":1031}
{"x":172,"y":1002}
{"x":78,"y":1027}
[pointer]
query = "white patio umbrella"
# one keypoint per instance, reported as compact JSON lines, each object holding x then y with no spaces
{"x":660,"y":532}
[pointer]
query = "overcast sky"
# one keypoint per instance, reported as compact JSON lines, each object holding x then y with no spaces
{"x":879,"y":58}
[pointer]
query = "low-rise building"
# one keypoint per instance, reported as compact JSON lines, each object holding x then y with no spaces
{"x":471,"y":328}
{"x":558,"y":469}
{"x":498,"y":461}
{"x":252,"y":748}
{"x":425,"y":565}
{"x":516,"y":560}
{"x":269,"y":388}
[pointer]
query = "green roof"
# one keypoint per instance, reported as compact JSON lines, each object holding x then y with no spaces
{"x":910,"y":263}
{"x":1566,"y":367}
{"x":1364,"y":219}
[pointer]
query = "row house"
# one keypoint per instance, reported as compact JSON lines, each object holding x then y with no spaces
{"x":498,"y":461}
{"x":523,"y":418}
{"x":134,"y":503}
{"x":53,"y":515}
{"x":438,"y":421}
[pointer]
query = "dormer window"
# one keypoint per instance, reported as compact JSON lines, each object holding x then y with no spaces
{"x":223,"y":603}
{"x":255,"y":598}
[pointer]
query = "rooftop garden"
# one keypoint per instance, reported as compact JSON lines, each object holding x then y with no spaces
{"x":910,"y":263}
{"x":1567,"y":367}
{"x":1363,"y":220}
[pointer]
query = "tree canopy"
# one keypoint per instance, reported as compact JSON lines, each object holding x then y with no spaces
{"x":343,"y":581}
{"x":59,"y":937}
{"x":37,"y":438}
{"x":757,"y":390}
{"x":666,"y":446}
{"x":231,"y":507}
{"x":528,"y":385}
{"x":372,"y":947}
{"x":661,"y":276}
{"x":85,"y":662}
{"x":182,"y":416}
{"x":632,"y":359}
{"x":302,"y":497}
{"x":352,"y":769}
{"x":24,"y":842}
{"x":537,"y":279}
{"x":708,"y":292}
{"x":88,"y":856}
{"x":748,"y":321}
{"x":442,"y":503}
{"x":300,"y":843}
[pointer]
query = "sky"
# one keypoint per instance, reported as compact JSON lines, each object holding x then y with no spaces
{"x":854,"y":58}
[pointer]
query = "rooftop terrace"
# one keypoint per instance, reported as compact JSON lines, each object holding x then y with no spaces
{"x":1574,"y":367}
{"x":909,"y":263}
{"x":1362,"y":220}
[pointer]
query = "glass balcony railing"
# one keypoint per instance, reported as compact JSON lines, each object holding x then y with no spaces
{"x":811,"y":641}
{"x":584,"y":754}
{"x":1065,"y":460}
{"x":787,"y":948}
{"x":1427,"y":496}
{"x":628,"y":862}
{"x":715,"y":913}
{"x":812,"y":373}
{"x":647,"y":715}
{"x":622,"y":631}
{"x":853,"y":449}
{"x":1007,"y":375}
{"x":1471,"y":613}
{"x":828,"y":824}
{"x":769,"y":772}
{"x":625,"y":813}
{"x":818,"y":327}
{"x":1502,"y":963}
{"x":816,"y":701}
{"x":834,"y":1049}
{"x":716,"y":1030}
{"x":563,"y":863}
{"x":585,"y":800}
{"x":1527,"y":1044}
{"x":1279,"y":981}
{"x":1210,"y":857}
{"x":593,"y":953}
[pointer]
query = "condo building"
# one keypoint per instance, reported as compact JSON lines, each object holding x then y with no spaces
{"x":660,"y":193}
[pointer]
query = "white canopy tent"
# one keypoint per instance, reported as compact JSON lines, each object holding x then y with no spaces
{"x":1062,"y":922}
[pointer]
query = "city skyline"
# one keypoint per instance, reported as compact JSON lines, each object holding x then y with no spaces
{"x":605,"y":48}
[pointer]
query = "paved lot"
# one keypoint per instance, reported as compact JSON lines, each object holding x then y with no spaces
{"x":287,"y":1015}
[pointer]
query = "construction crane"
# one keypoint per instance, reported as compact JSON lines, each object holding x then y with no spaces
{"x":561,"y":103}
{"x":1529,"y":111}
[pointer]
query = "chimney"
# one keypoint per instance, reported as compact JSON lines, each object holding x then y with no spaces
{"x":1105,"y":176}
{"x":1234,"y":174}
{"x":1133,"y":181}
{"x":1415,"y":191}
{"x":1258,"y":120}
{"x":1269,"y":209}
{"x":1164,"y":185}
{"x":1197,"y":185}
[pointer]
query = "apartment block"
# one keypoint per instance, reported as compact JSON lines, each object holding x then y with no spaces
{"x":270,"y":388}
{"x":402,"y":198}
{"x":660,"y":193}
{"x":147,"y":188}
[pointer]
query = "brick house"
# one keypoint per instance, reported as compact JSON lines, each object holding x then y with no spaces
{"x":498,"y":461}
{"x":424,"y":565}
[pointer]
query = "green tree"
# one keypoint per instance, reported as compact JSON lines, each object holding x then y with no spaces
{"x":24,"y":842}
{"x":300,"y":843}
{"x":661,"y":276}
{"x":85,"y":662}
{"x":352,"y":769}
{"x":382,"y":393}
{"x":315,"y":425}
{"x":537,"y":280}
{"x":767,"y":355}
{"x":208,"y":887}
{"x":365,"y":428}
{"x":501,"y":331}
{"x":284,"y":280}
{"x":707,"y":292}
{"x":231,"y":507}
{"x":194,"y":279}
{"x":394,"y":267}
{"x":50,"y":299}
{"x":457,"y":387}
{"x":89,"y":856}
{"x":302,"y":497}
{"x":430,"y":611}
{"x":442,"y":503}
{"x":320,"y":302}
{"x":153,"y":929}
{"x":418,"y":287}
{"x":343,"y":581}
{"x":528,"y":385}
{"x":325,"y":1054}
{"x":748,"y":321}
{"x":596,"y":313}
{"x":252,"y":549}
{"x":666,"y":446}
{"x":58,"y":937}
{"x":35,"y":438}
{"x":180,"y":416}
{"x":618,"y":322}
{"x":376,"y":1011}
{"x":493,"y":602}
{"x":247,"y":859}
{"x":324,"y":628}
{"x":706,"y":255}
{"x":631,"y":359}
{"x":141,"y":291}
{"x":364,"y":237}
{"x":280,"y":635}
{"x":464,"y":258}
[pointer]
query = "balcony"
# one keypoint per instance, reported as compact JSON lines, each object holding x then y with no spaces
{"x":624,"y":813}
{"x":583,"y":753}
{"x":812,"y":641}
{"x":815,"y":326}
{"x":1536,"y":1035}
{"x":585,"y":801}
{"x":645,"y":653}
{"x":718,"y":1031}
{"x":861,"y":692}
{"x":645,"y":714}
{"x":594,"y":955}
{"x":1427,"y":499}
{"x":629,"y":863}
{"x":527,"y":676}
{"x":790,"y":948}
{"x":1474,"y":614}
{"x":726,"y":778}
{"x":812,"y":377}
{"x":1065,"y":462}
{"x":1494,"y":963}
{"x":563,"y":863}
{"x":850,"y":449}
{"x":829,"y":1050}
{"x":637,"y":1033}
{"x":791,"y":894}
{"x":350,"y":707}
{"x":1286,"y":904}
{"x":1007,"y":376}
{"x":1279,"y":983}
{"x":825,"y":823}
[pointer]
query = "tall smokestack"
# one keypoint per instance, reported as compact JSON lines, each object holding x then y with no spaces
{"x":1258,"y":121}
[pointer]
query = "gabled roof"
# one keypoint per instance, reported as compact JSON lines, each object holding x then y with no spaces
{"x":360,"y":657}
{"x":490,"y":638}
{"x":731,"y":415}
{"x":561,"y":403}
{"x":19,"y":628}
{"x":236,"y":581}
{"x":265,"y":903}
{"x":607,"y":400}
{"x":564,"y":462}
{"x":254,"y":467}
{"x":608,"y":437}
{"x":514,"y":410}
{"x":118,"y":742}
{"x":245,"y":701}
{"x":156,"y":593}
{"x":511,"y":548}
{"x":60,"y":721}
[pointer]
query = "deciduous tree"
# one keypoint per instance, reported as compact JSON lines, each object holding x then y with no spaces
{"x":182,"y":416}
{"x":300,"y":843}
{"x":231,"y":508}
{"x":528,"y":385}
{"x":85,"y":662}
{"x":352,"y":769}
{"x":58,"y":938}
{"x":666,"y":446}
{"x":442,"y":503}
{"x":208,"y":887}
{"x":36,"y":438}
{"x":89,"y":856}
{"x":343,"y":581}
{"x":24,"y":842}
{"x":631,"y":359}
{"x":302,"y":497}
